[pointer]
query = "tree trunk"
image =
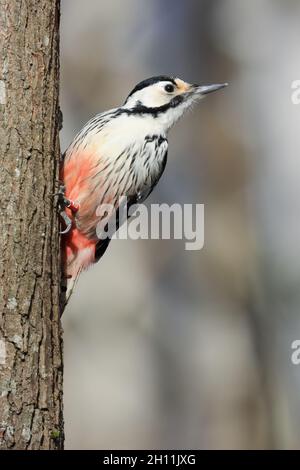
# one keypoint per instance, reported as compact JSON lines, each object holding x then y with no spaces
{"x":31,"y":365}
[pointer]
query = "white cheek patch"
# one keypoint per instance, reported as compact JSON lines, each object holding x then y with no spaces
{"x":153,"y":96}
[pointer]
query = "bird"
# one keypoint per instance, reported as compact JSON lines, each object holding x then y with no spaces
{"x":120,"y":153}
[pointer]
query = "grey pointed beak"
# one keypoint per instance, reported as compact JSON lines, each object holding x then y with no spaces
{"x":205,"y":89}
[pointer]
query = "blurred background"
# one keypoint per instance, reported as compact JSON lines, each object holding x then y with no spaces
{"x":168,"y":348}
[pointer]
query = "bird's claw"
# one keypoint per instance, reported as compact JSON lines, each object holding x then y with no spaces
{"x":67,"y":221}
{"x":64,"y":203}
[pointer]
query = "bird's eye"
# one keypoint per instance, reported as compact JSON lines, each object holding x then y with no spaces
{"x":169,"y":88}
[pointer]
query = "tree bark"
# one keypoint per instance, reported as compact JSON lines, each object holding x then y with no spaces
{"x":31,"y":366}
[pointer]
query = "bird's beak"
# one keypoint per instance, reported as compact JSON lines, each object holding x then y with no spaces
{"x":205,"y":89}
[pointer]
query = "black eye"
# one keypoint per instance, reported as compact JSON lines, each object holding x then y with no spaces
{"x":169,"y":88}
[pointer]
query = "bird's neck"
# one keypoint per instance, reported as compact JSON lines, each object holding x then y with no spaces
{"x":160,"y":118}
{"x":140,"y":125}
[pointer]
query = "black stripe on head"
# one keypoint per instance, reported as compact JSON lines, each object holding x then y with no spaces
{"x":151,"y":81}
{"x":155,"y":112}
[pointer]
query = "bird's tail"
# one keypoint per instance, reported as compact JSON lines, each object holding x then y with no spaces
{"x":71,"y":283}
{"x":78,"y":254}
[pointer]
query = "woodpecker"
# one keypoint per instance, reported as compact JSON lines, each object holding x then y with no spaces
{"x":118,"y":153}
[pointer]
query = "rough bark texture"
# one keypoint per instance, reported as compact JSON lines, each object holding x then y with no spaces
{"x":30,"y":331}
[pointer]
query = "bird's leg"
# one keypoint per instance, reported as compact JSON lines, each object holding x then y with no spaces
{"x":64,"y":203}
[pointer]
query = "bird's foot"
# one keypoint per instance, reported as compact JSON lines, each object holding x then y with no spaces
{"x":63,"y":203}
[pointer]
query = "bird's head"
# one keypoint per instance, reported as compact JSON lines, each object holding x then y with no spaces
{"x":166,"y":98}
